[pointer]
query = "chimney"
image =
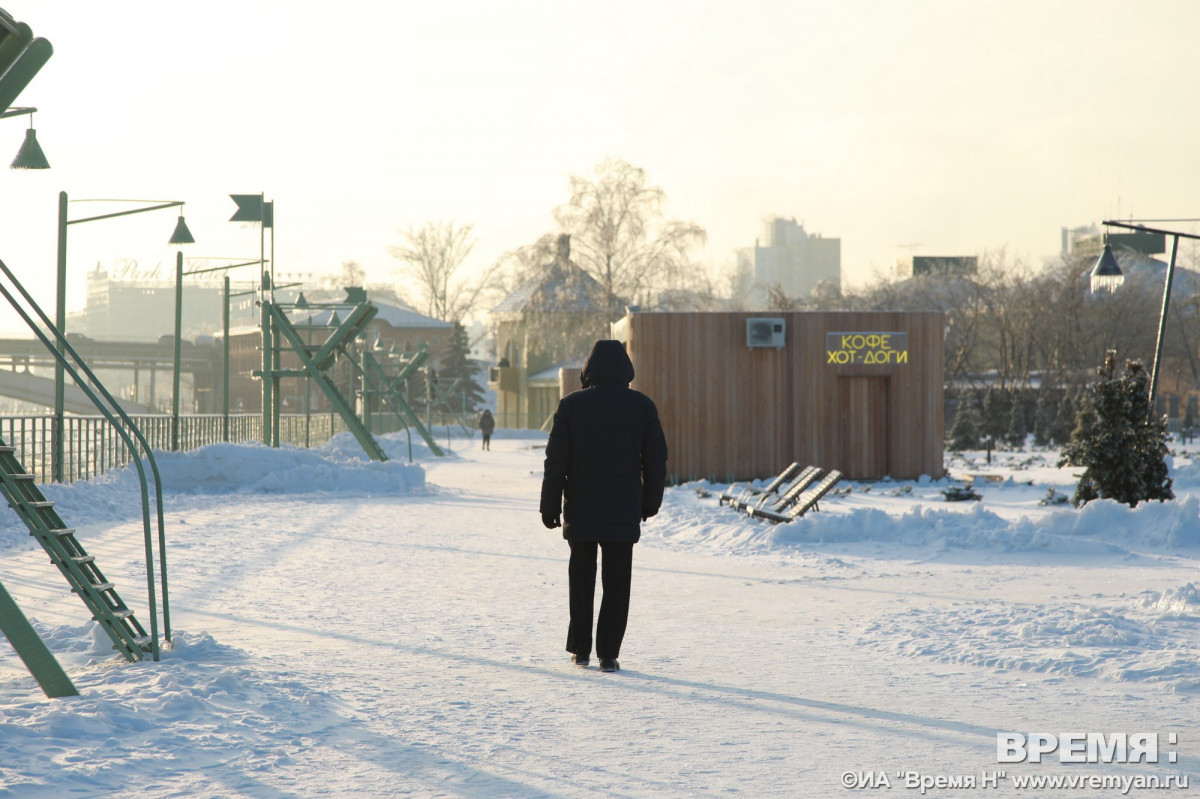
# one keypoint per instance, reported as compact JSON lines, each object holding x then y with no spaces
{"x":563,"y":253}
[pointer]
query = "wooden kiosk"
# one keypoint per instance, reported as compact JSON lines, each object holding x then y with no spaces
{"x":742,"y":395}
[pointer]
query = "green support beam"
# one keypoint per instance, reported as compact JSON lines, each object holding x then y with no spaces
{"x":377,"y":382}
{"x":346,"y":331}
{"x":33,"y":650}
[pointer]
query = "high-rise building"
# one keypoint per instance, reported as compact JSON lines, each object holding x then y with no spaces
{"x":788,"y":260}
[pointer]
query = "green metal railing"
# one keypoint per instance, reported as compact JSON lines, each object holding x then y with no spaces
{"x":125,"y":428}
{"x":91,"y":446}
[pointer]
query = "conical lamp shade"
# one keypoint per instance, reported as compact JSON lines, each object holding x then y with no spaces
{"x":181,"y":235}
{"x":1107,"y":274}
{"x":301,"y":302}
{"x":30,"y":156}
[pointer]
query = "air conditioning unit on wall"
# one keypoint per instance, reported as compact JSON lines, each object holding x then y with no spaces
{"x":765,"y":332}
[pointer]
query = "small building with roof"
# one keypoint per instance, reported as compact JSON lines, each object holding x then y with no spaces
{"x":547,"y":324}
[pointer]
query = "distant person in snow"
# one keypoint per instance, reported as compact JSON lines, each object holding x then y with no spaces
{"x":487,"y":423}
{"x":606,"y":466}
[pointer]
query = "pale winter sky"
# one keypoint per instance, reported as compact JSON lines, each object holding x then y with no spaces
{"x":934,"y":126}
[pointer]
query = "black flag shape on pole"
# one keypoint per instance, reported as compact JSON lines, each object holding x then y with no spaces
{"x":251,"y":208}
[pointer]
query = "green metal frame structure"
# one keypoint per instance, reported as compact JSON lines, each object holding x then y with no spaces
{"x":315,"y":365}
{"x":376,"y":382}
{"x":442,"y":400}
{"x":317,"y":359}
{"x":44,"y":524}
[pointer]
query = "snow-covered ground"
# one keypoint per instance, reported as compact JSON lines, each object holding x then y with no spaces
{"x":343,"y":627}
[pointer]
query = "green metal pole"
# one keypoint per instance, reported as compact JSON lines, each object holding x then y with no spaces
{"x":308,"y":393}
{"x":428,"y":399}
{"x":266,"y":320}
{"x":225,"y":384}
{"x":276,"y":397}
{"x":276,"y":363}
{"x":60,"y":321}
{"x":1162,"y":325}
{"x":178,"y":353}
{"x":266,"y":362}
{"x":32,"y":649}
{"x":366,"y":396}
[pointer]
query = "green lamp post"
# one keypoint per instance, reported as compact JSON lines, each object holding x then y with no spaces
{"x":181,"y":235}
{"x":179,"y":275}
{"x":1107,"y":268}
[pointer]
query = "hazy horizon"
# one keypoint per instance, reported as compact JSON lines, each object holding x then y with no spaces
{"x":930,"y":127}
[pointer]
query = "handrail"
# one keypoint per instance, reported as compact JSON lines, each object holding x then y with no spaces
{"x":162,"y":540}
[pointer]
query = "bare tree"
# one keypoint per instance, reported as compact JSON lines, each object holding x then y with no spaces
{"x":430,"y":257}
{"x":350,"y":274}
{"x":619,"y":235}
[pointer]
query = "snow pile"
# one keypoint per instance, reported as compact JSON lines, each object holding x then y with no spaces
{"x":336,"y":467}
{"x":205,"y":705}
{"x":1175,"y":603}
{"x":1146,"y":641}
{"x":1101,"y":526}
{"x":339,"y":466}
{"x":900,"y":516}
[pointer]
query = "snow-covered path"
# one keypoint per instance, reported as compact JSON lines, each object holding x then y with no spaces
{"x":350,"y":643}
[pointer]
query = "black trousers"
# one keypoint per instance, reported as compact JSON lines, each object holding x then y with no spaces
{"x":615,"y":576}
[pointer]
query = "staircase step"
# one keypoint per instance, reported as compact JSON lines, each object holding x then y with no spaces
{"x":142,"y":642}
{"x":21,"y":491}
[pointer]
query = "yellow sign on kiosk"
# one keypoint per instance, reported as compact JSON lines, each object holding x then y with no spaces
{"x":866,"y":349}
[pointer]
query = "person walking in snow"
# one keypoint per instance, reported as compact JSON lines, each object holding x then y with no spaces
{"x":606,"y":467}
{"x":487,"y":423}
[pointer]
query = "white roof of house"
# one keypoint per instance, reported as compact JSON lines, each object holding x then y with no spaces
{"x":394,"y":315}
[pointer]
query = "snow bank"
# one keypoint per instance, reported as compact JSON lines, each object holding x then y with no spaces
{"x":1009,"y":519}
{"x":1101,"y":526}
{"x":205,"y":705}
{"x":1150,"y":639}
{"x":337,"y":467}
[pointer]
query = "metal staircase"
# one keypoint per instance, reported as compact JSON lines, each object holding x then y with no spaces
{"x":80,"y":569}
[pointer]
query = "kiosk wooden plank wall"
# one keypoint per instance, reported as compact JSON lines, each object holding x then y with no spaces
{"x":857,"y":391}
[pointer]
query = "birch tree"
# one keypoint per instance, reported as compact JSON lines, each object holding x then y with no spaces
{"x":431,"y":257}
{"x":620,"y":236}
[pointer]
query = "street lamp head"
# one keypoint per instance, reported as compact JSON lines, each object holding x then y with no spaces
{"x":1107,"y":274}
{"x":301,"y":303}
{"x":181,"y":235}
{"x":30,"y":156}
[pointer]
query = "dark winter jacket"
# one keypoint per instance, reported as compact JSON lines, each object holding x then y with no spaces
{"x":487,"y":423}
{"x":606,"y":460}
